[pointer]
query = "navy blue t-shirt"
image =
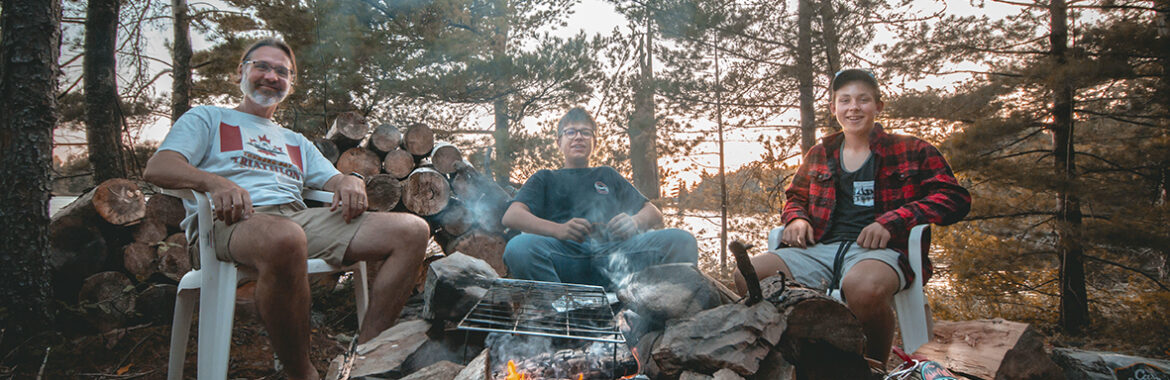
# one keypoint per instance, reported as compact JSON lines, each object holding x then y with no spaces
{"x":595,"y":194}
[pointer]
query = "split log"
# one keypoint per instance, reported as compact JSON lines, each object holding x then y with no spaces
{"x":327,"y":149}
{"x":140,"y":259}
{"x":485,"y":246}
{"x":116,"y":201}
{"x":979,"y":347}
{"x":733,"y":336}
{"x":167,"y":209}
{"x":454,"y":285}
{"x":398,"y":163}
{"x":107,"y":299}
{"x":426,"y":192}
{"x":383,"y":354}
{"x":454,"y":220}
{"x":477,"y":369}
{"x":151,"y":230}
{"x":443,"y":370}
{"x":77,"y":250}
{"x":383,"y":192}
{"x":418,"y":140}
{"x":359,"y":160}
{"x":823,"y":339}
{"x":349,"y":128}
{"x":384,"y":139}
{"x":174,"y":261}
{"x":444,"y":157}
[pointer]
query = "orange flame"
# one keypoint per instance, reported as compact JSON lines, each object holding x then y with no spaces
{"x":512,"y":374}
{"x":634,"y":352}
{"x":580,"y":376}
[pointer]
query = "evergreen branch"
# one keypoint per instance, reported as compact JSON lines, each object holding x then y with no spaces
{"x":737,"y":104}
{"x":1121,"y":7}
{"x":1026,"y":152}
{"x":1010,"y":144}
{"x":1027,"y":5}
{"x":1117,"y":166}
{"x":1115,"y":117}
{"x":1126,"y":267}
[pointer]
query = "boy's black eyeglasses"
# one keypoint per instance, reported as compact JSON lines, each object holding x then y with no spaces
{"x":574,"y":132}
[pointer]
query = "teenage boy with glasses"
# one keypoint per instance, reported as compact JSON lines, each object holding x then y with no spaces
{"x":254,"y":171}
{"x":587,"y":225}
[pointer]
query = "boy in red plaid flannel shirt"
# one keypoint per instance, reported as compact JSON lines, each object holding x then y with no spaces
{"x":851,"y":206}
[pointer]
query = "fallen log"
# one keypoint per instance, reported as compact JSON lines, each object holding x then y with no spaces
{"x":107,"y":299}
{"x":348,"y":130}
{"x":151,"y":230}
{"x":485,"y":246}
{"x":426,"y":192}
{"x":444,"y":157}
{"x":140,"y":259}
{"x":327,"y":149}
{"x":384,"y":139}
{"x":77,"y":250}
{"x":383,"y":191}
{"x":166,"y":209}
{"x":359,"y":160}
{"x":116,"y":201}
{"x":398,"y":163}
{"x":418,"y":140}
{"x":823,"y":339}
{"x":979,"y":347}
{"x":173,"y":258}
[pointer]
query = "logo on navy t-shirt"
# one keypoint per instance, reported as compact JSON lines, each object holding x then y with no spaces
{"x":601,"y":187}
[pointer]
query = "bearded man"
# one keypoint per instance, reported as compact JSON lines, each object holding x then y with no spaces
{"x":254,"y":171}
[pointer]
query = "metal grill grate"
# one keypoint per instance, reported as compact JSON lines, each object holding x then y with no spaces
{"x":546,"y":309}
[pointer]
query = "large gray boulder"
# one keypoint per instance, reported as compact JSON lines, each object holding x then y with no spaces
{"x":669,"y":291}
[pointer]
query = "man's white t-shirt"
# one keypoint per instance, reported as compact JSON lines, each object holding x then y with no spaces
{"x":271,"y":162}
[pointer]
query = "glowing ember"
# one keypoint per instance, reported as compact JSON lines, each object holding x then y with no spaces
{"x":634,"y":352}
{"x":512,"y":375}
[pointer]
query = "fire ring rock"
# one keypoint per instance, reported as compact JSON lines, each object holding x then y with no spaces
{"x":733,"y":336}
{"x":669,"y":291}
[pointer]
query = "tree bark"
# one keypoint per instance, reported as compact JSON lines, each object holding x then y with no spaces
{"x":832,"y":53}
{"x":1074,"y":303}
{"x":502,"y":166}
{"x":103,"y":116}
{"x":804,"y":75}
{"x":28,"y":81}
{"x":181,"y":61}
{"x":642,"y":131}
{"x":1163,"y":22}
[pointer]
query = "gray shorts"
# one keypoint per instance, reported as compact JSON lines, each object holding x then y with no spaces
{"x":813,"y":266}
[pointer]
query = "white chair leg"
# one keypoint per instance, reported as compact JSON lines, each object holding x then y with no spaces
{"x":217,"y":304}
{"x":361,"y":291}
{"x":180,"y":332}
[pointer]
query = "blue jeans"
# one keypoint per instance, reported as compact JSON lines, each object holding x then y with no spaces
{"x":543,"y":258}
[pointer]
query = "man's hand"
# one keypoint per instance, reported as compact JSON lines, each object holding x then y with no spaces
{"x":798,"y":233}
{"x":622,"y":226}
{"x":873,"y":236}
{"x":576,"y":229}
{"x":231,"y":202}
{"x":350,"y":196}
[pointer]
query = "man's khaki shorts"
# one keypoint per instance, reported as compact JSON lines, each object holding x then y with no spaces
{"x":327,"y":232}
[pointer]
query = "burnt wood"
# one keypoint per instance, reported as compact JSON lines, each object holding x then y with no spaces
{"x":744,"y":263}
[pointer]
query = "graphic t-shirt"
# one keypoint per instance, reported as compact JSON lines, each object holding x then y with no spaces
{"x":271,"y":162}
{"x":854,"y":209}
{"x":595,"y":194}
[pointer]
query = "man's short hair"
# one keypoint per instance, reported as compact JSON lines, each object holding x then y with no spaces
{"x":273,"y":42}
{"x":577,"y":115}
{"x":848,"y":76}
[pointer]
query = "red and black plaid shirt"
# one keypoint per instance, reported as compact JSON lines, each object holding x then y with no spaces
{"x":913,"y":185}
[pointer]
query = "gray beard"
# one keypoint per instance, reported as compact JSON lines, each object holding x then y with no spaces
{"x":258,"y":97}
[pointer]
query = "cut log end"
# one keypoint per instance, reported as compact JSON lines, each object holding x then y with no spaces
{"x":426,"y":192}
{"x":485,"y":246}
{"x":385,"y":138}
{"x":119,"y":201}
{"x":419,"y":139}
{"x":445,"y":156}
{"x":398,"y":163}
{"x":359,"y":160}
{"x":384,"y":192}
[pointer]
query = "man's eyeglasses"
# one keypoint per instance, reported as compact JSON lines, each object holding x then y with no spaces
{"x":266,"y":68}
{"x":571,"y":133}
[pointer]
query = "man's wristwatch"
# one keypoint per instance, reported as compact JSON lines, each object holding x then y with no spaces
{"x":358,"y":175}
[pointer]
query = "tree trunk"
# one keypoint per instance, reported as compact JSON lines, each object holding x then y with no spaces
{"x":503,"y":162}
{"x":502,"y":167}
{"x":643,"y":131}
{"x":28,"y":83}
{"x":1074,"y":303}
{"x":804,"y":75}
{"x":181,"y":61}
{"x":832,"y":53}
{"x":103,"y":116}
{"x":116,"y":201}
{"x":1163,"y":22}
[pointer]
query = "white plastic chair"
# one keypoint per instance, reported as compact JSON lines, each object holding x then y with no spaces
{"x":216,"y":281}
{"x":910,"y":303}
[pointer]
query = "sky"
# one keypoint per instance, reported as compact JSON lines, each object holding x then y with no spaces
{"x":590,"y":16}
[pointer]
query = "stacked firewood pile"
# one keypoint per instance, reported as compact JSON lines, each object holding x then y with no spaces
{"x":117,"y":256}
{"x":407,"y":170}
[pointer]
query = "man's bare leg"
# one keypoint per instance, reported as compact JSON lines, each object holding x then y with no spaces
{"x":400,"y":239}
{"x":767,"y":264}
{"x":869,"y":288}
{"x":276,"y":248}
